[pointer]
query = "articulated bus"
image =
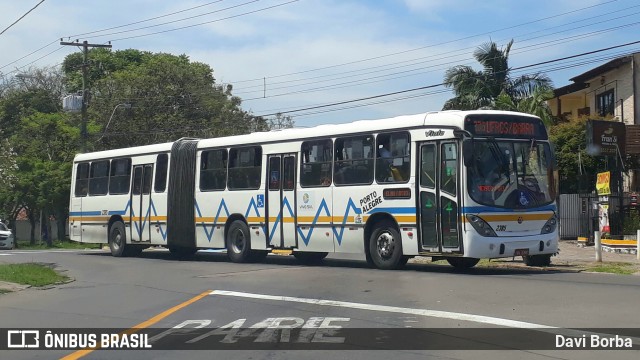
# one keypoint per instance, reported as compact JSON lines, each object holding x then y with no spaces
{"x":452,"y":185}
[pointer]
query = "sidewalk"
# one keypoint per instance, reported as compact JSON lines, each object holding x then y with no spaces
{"x":572,"y":257}
{"x":570,"y":252}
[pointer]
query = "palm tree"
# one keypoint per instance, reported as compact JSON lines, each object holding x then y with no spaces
{"x":481,"y":89}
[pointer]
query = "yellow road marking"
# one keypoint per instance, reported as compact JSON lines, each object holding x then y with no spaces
{"x":145,"y":324}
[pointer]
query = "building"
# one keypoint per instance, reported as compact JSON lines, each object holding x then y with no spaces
{"x":607,"y":90}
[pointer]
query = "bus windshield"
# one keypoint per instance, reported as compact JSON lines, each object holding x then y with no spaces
{"x":511,"y":174}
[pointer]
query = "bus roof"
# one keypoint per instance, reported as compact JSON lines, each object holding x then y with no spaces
{"x":136,"y":150}
{"x":437,"y":118}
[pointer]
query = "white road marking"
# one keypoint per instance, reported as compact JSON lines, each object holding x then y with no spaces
{"x":1,"y":254}
{"x":53,"y":251}
{"x":393,"y":309}
{"x":421,"y":312}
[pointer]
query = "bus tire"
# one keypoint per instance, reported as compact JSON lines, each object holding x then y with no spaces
{"x":118,"y":239}
{"x":310,"y":257}
{"x":462,"y":263}
{"x":537,"y":260}
{"x":385,"y":247}
{"x":238,"y":242}
{"x":403,"y":262}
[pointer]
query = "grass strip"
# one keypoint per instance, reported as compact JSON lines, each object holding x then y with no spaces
{"x":30,"y":274}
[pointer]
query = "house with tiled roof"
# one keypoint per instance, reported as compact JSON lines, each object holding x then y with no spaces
{"x":607,"y":90}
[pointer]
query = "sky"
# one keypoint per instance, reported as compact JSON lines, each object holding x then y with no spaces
{"x":287,"y":56}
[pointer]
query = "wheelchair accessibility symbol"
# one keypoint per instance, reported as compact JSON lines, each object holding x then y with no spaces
{"x":260,"y":201}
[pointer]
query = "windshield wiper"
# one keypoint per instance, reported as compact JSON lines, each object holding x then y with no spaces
{"x":499,"y":159}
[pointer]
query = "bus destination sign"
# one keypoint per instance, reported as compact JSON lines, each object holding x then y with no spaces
{"x":505,"y":126}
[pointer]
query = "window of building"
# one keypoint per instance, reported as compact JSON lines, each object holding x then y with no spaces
{"x":393,"y":160}
{"x":82,"y":179}
{"x":353,"y":160}
{"x":245,"y":165}
{"x":162,"y":167}
{"x":605,"y":103}
{"x":315,"y":161}
{"x":99,"y":178}
{"x":120,"y":176}
{"x":213,"y":170}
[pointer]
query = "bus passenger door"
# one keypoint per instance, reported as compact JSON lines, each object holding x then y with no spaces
{"x":281,"y":200}
{"x":439,"y":193}
{"x":140,"y":214}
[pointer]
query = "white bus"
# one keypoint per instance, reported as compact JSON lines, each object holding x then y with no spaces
{"x":454,"y":185}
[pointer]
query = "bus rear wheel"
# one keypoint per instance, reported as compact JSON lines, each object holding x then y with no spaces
{"x":118,"y":239}
{"x":537,"y":260}
{"x":385,"y":247}
{"x":238,"y":242}
{"x":462,"y":263}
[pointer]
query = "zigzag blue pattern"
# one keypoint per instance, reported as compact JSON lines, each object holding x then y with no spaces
{"x":279,"y":218}
{"x":223,"y":205}
{"x":140,"y":229}
{"x":323,"y":206}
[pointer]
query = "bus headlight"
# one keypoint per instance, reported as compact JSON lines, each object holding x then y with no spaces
{"x":480,"y":225}
{"x":550,"y":225}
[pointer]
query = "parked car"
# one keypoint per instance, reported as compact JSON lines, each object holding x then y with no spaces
{"x":7,"y":240}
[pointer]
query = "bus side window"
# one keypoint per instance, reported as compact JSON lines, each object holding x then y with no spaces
{"x":162,"y":165}
{"x":82,"y":179}
{"x":354,"y":160}
{"x":120,"y":176}
{"x":99,"y":178}
{"x":213,"y":170}
{"x":245,"y":165}
{"x":316,"y":163}
{"x":393,"y":158}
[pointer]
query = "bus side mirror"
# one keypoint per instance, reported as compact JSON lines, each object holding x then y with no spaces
{"x":467,"y":152}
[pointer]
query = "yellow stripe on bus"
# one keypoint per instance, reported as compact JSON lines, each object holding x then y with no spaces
{"x":309,"y":219}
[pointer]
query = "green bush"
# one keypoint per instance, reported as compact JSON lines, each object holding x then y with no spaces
{"x":631,"y":223}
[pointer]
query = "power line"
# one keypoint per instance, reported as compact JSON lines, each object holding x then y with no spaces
{"x":21,"y":17}
{"x":175,"y":21}
{"x":442,"y":84}
{"x":439,"y":66}
{"x":29,"y":54}
{"x":145,"y":20}
{"x":342,"y":76}
{"x":428,"y":46}
{"x":207,"y":22}
{"x":368,"y":80}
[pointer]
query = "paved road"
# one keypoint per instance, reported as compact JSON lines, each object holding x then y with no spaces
{"x":158,"y":291}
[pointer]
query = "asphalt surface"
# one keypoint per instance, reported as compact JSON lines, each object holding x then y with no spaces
{"x":120,"y":293}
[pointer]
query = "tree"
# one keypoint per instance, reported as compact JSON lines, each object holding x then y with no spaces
{"x":577,"y":169}
{"x":493,"y":87}
{"x":31,"y":146}
{"x":46,"y":145}
{"x":148,"y":98}
{"x":281,"y":122}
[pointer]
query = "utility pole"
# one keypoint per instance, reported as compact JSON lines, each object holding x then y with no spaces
{"x":85,"y":91}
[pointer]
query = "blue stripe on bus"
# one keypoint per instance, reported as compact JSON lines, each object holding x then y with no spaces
{"x":85,"y":213}
{"x":394,"y":210}
{"x":99,"y":213}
